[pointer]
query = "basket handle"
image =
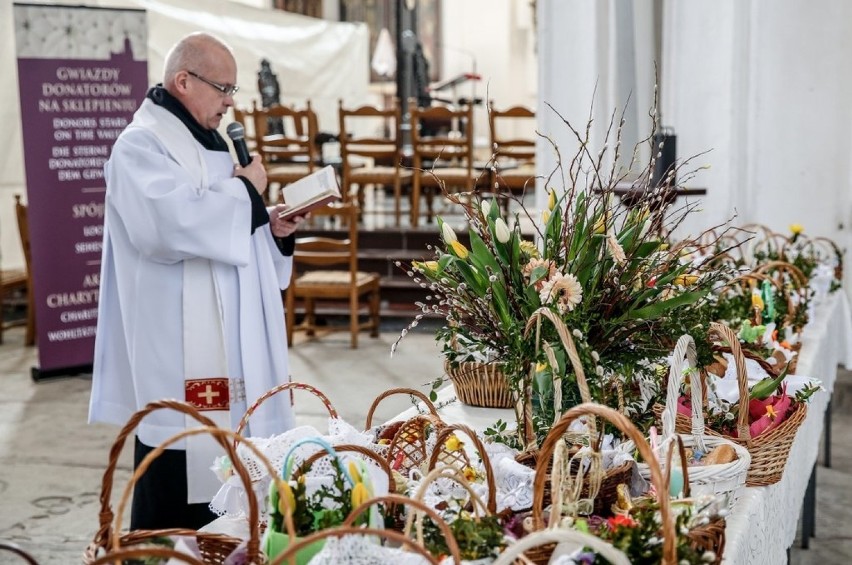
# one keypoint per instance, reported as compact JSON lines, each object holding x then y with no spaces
{"x":573,"y":356}
{"x":280,"y":388}
{"x":222,"y":436}
{"x":290,"y":554}
{"x":106,"y":514}
{"x":444,"y":435}
{"x":290,"y":462}
{"x":390,"y":392}
{"x":727,"y":334}
{"x":626,"y":427}
{"x":684,"y":352}
{"x":421,"y":509}
{"x":434,"y":475}
{"x":514,"y":553}
{"x":368,"y":453}
{"x":676,"y":439}
{"x":400,"y":440}
{"x":124,"y":554}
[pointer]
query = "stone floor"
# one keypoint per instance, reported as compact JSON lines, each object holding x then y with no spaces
{"x":52,"y":461}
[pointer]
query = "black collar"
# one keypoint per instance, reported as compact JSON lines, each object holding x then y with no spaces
{"x":208,"y":138}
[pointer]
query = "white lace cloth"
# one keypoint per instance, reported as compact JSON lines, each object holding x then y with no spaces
{"x":763,"y":522}
{"x":231,"y":500}
{"x":363,"y":550}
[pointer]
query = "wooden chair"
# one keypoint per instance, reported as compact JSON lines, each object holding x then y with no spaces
{"x":15,"y":280}
{"x":517,"y":155}
{"x":386,"y":169}
{"x":246,"y":117}
{"x":442,"y":160}
{"x":323,"y":282}
{"x":294,"y":154}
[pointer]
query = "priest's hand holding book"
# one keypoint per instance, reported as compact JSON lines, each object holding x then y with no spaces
{"x":282,"y":224}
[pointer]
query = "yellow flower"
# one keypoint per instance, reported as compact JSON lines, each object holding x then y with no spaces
{"x":686,"y":279}
{"x":459,"y":249}
{"x":600,"y":225}
{"x":757,"y":301}
{"x":529,"y":248}
{"x":551,"y":200}
{"x":353,"y":472}
{"x":770,"y":411}
{"x":453,"y":443}
{"x":360,"y":494}
{"x":796,"y":229}
{"x":545,"y":216}
{"x":286,"y":498}
{"x":470,"y":474}
{"x":540,"y":366}
{"x":425,"y":266}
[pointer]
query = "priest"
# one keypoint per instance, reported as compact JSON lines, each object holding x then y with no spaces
{"x":192,"y":270}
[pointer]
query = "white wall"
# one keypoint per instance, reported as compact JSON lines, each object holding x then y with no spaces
{"x":764,"y":85}
{"x":499,"y":36}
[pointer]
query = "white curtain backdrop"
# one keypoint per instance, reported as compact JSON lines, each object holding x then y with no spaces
{"x":314,"y":59}
{"x":762,"y":85}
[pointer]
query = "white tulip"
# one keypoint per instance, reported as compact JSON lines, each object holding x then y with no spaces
{"x":448,"y":233}
{"x":501,"y":230}
{"x":485,"y":205}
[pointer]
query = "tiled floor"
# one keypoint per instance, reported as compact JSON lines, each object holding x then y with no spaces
{"x":52,"y":461}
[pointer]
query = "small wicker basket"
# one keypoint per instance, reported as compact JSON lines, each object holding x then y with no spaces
{"x":480,"y":384}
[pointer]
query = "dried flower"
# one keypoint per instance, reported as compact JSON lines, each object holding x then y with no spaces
{"x":615,"y":249}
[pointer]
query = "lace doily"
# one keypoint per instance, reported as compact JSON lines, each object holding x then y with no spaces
{"x":363,"y":550}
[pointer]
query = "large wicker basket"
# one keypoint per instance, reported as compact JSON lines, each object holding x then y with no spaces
{"x":769,"y":451}
{"x":480,"y":384}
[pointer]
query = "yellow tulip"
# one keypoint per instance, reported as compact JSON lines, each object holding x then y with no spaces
{"x":551,"y":200}
{"x":600,"y":225}
{"x":686,"y":279}
{"x":459,"y":249}
{"x":286,"y":498}
{"x":470,"y":473}
{"x":796,"y":229}
{"x":360,"y":494}
{"x":353,"y":472}
{"x":453,"y":443}
{"x":545,"y":216}
{"x":757,"y":301}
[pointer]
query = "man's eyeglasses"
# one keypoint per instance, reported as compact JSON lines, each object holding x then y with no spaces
{"x":225,"y":89}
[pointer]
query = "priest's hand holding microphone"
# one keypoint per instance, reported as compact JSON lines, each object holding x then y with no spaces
{"x":252,"y":168}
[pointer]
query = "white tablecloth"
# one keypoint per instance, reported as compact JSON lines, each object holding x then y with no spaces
{"x":762,"y":524}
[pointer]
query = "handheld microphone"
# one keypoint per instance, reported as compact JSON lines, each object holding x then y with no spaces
{"x":237,"y":133}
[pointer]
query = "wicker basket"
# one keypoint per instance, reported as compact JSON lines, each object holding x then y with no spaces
{"x":542,"y":553}
{"x":459,"y":459}
{"x":480,"y":384}
{"x":769,"y":451}
{"x":214,"y":548}
{"x":726,"y":479}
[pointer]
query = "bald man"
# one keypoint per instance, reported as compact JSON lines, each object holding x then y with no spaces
{"x":190,"y":291}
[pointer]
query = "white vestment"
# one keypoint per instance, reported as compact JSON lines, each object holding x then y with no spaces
{"x":159,"y":214}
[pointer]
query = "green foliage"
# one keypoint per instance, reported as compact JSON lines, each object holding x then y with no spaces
{"x":478,"y":538}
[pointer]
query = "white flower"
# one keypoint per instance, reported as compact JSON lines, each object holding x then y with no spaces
{"x":564,"y":290}
{"x":448,"y":233}
{"x":486,"y":207}
{"x":501,"y":230}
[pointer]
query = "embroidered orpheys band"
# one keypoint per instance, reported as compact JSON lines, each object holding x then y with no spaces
{"x":208,"y":394}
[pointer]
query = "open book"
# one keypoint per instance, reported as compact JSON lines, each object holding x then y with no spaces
{"x":317,"y":189}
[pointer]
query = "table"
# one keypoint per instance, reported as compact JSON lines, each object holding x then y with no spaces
{"x":762,"y":525}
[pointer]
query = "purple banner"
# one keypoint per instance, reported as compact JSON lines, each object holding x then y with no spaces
{"x":82,"y":72}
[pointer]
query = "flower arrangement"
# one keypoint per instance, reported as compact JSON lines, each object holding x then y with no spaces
{"x":625,"y":290}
